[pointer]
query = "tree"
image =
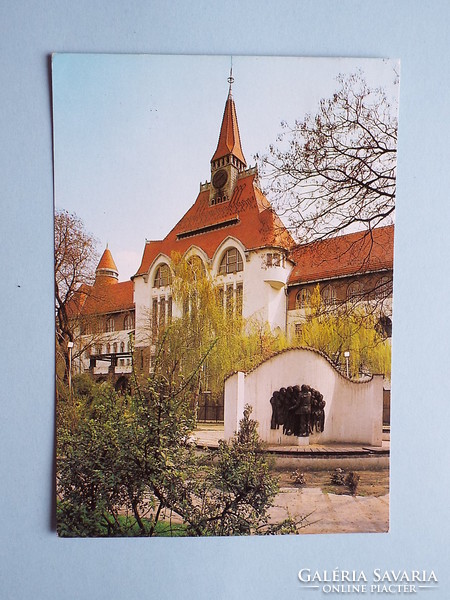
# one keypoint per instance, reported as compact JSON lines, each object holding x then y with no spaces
{"x":129,"y":467}
{"x":354,"y":329}
{"x":208,"y":338}
{"x":335,"y":171}
{"x":75,"y":261}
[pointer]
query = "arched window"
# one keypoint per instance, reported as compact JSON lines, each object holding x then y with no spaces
{"x":355,"y":291}
{"x":302,"y":298}
{"x":108,"y":348}
{"x":122,"y":346}
{"x":197,"y":266}
{"x":231,"y":262}
{"x":115,"y":347}
{"x":128,"y":322}
{"x":110,"y":324}
{"x":329,"y":294}
{"x":163,"y":276}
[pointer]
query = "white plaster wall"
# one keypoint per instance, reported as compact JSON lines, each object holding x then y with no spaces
{"x":264,"y":290}
{"x":353,"y":411}
{"x":234,"y":407}
{"x":264,"y":287}
{"x":142,"y":299}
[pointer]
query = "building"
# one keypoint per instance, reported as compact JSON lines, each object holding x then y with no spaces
{"x":233,"y":231}
{"x":352,"y":268}
{"x":106,"y":324}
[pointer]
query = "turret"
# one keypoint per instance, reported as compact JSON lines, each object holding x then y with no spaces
{"x":106,"y":272}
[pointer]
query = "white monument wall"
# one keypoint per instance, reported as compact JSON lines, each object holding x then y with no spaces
{"x":353,"y":410}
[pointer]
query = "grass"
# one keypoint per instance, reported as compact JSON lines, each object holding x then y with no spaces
{"x":128,"y":527}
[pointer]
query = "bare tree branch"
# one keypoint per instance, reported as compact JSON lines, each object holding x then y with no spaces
{"x":334,"y":172}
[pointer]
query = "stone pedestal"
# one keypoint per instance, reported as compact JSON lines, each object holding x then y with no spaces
{"x":303,"y":441}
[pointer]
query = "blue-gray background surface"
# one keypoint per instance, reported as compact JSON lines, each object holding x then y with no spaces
{"x":34,"y":563}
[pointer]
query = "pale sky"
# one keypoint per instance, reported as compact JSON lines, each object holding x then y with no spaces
{"x":134,"y":134}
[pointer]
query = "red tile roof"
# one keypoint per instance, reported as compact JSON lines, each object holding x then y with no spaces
{"x":248,"y":216}
{"x":229,"y":138}
{"x":351,"y":254}
{"x":102,"y":299}
{"x":107,"y":261}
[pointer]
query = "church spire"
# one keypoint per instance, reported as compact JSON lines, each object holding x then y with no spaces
{"x":229,"y":139}
{"x":228,"y":159}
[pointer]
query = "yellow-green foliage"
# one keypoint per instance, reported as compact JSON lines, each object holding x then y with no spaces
{"x":336,"y":330}
{"x":207,"y":333}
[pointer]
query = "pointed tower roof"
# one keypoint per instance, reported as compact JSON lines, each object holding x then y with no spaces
{"x":107,"y":261}
{"x":106,"y":271}
{"x":229,"y":138}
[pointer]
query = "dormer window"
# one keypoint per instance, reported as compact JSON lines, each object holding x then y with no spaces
{"x":163,"y":276}
{"x":231,"y":262}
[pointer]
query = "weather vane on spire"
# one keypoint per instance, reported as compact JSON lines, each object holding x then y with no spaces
{"x":231,"y":78}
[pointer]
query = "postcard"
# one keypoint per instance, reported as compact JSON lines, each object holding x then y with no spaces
{"x":224,"y":231}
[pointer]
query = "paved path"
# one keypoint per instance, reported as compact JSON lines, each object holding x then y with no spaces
{"x":209,"y":435}
{"x":328,"y":513}
{"x":332,"y":513}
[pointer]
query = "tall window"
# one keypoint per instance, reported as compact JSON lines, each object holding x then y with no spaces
{"x":110,"y":324}
{"x":122,"y":346}
{"x":231,"y":262}
{"x":163,"y":276}
{"x":239,"y":298}
{"x":302,"y":298}
{"x":154,"y":319}
{"x":229,"y":299}
{"x":128,"y":322}
{"x":162,"y":312}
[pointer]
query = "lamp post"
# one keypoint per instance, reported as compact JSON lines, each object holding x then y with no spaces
{"x":69,"y":347}
{"x":347,"y":356}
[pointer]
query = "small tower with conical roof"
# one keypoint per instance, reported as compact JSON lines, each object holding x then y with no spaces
{"x":228,"y":159}
{"x":106,"y":272}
